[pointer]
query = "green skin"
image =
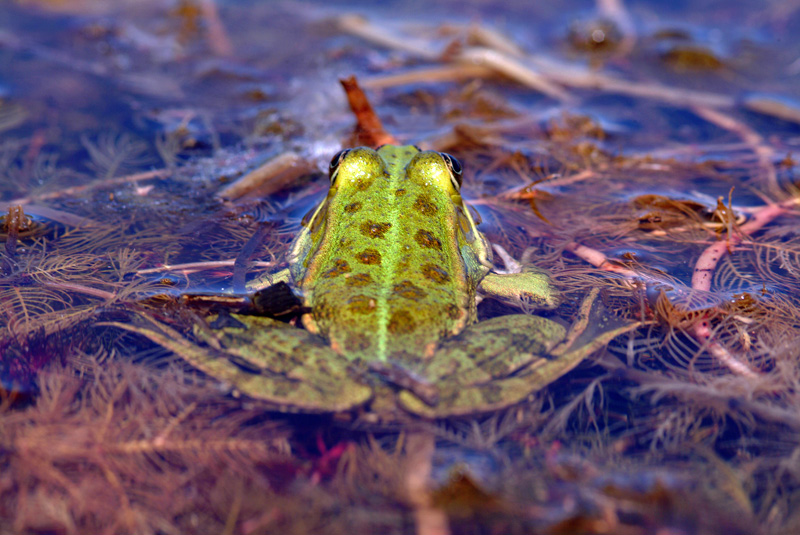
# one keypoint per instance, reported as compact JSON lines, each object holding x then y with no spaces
{"x":390,"y":264}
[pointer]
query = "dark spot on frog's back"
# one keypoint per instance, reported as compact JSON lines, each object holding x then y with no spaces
{"x":409,"y":290}
{"x":453,"y":311}
{"x":401,"y":322}
{"x":352,"y":207}
{"x":435,"y":273}
{"x":361,"y":304}
{"x":492,"y":394}
{"x":357,"y":342}
{"x":400,"y":192}
{"x":362,"y":185}
{"x":424,"y":205}
{"x":370,"y":257}
{"x":372,"y":229}
{"x":359,"y":279}
{"x":428,"y":240}
{"x":323,"y":312}
{"x":340,"y":267}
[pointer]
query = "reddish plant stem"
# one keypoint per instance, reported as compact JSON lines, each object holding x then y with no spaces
{"x":702,"y":277}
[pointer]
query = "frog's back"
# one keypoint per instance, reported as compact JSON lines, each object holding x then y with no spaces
{"x":383,"y":268}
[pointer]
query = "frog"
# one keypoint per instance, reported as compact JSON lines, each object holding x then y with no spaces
{"x":390,"y":267}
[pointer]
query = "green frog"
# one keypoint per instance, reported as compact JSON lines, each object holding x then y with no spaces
{"x":390,"y":265}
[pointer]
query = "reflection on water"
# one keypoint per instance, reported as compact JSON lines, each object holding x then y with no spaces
{"x":645,"y":150}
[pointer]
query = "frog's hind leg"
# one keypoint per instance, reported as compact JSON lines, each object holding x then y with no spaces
{"x":500,"y":362}
{"x":266,"y":360}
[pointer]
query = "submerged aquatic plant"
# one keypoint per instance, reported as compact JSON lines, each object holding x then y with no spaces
{"x":688,"y":423}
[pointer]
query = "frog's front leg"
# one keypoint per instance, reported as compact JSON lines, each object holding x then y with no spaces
{"x":500,"y":362}
{"x":520,"y":283}
{"x":533,"y":287}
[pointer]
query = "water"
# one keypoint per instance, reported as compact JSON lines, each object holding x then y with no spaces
{"x":121,"y":122}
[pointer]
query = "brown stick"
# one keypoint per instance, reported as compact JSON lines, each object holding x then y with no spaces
{"x":369,"y":129}
{"x":429,"y":519}
{"x":192,"y":267}
{"x":763,"y":151}
{"x":66,"y":192}
{"x":217,"y":36}
{"x":270,"y":177}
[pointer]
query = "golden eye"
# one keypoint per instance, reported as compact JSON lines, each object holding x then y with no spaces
{"x":455,"y":169}
{"x":334,"y":167}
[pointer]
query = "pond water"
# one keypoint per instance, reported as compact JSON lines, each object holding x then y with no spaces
{"x":645,"y":151}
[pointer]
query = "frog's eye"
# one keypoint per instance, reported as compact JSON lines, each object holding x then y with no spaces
{"x":455,"y":169}
{"x":334,"y":168}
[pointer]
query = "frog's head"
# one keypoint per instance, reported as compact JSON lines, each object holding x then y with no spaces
{"x":393,"y":216}
{"x":436,"y":170}
{"x":354,"y":172}
{"x":356,"y":168}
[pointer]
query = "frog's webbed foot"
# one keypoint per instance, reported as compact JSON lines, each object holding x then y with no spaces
{"x":500,"y":362}
{"x":267,"y":360}
{"x":520,"y":283}
{"x":487,"y":367}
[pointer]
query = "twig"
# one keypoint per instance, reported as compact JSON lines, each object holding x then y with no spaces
{"x":708,"y":260}
{"x":704,"y":273}
{"x":383,"y":36}
{"x":542,"y":71}
{"x":510,"y":263}
{"x":429,"y":519}
{"x":763,"y":151}
{"x":615,"y":11}
{"x":217,"y":36}
{"x":60,"y":216}
{"x":772,"y":107}
{"x":579,"y":77}
{"x":528,"y":191}
{"x":67,"y":192}
{"x":369,"y":129}
{"x":268,"y":178}
{"x":692,"y":150}
{"x":701,"y":278}
{"x":191,"y":267}
{"x":514,"y":69}
{"x":701,"y":330}
{"x":87,"y":290}
{"x":485,"y":36}
{"x":430,"y":75}
{"x":601,"y":261}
